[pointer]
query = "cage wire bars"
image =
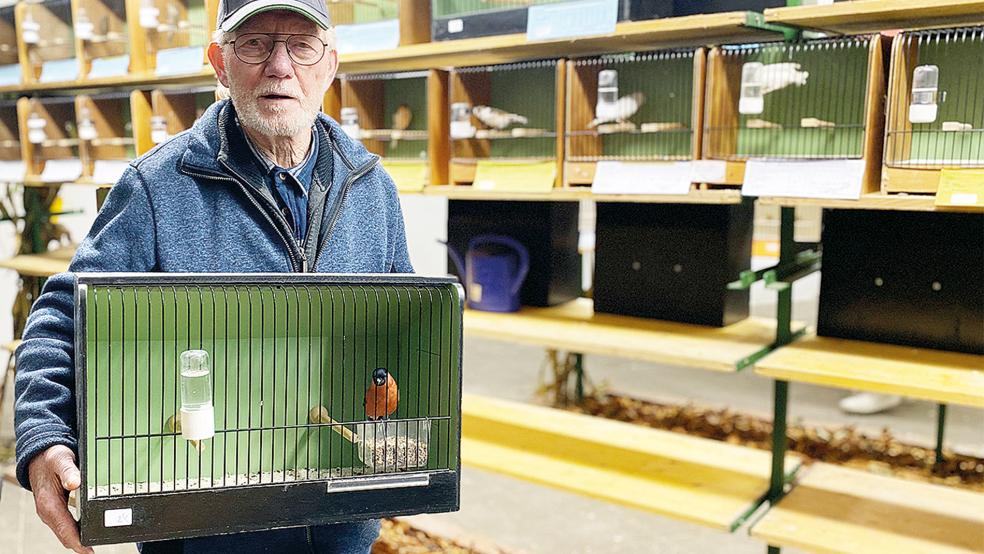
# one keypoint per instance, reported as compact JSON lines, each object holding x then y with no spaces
{"x":303,"y":433}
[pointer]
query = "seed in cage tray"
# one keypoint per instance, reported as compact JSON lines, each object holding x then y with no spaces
{"x":394,"y":453}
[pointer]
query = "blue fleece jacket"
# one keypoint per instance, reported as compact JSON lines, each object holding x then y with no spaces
{"x":198,"y":203}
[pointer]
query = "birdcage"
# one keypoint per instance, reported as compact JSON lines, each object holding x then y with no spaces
{"x":10,"y":70}
{"x":173,"y":34}
{"x":935,"y":113}
{"x":10,"y":145}
{"x":48,"y":41}
{"x":221,"y":403}
{"x":632,"y":107}
{"x":171,"y":112}
{"x":103,"y":38}
{"x":815,"y":100}
{"x":365,"y":25}
{"x":458,"y":19}
{"x":49,"y":138}
{"x":105,"y":131}
{"x":506,"y":113}
{"x":389,"y":114}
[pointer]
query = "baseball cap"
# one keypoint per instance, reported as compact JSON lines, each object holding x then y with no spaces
{"x":232,"y":13}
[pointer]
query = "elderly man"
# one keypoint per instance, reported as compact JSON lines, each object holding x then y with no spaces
{"x":261,"y":183}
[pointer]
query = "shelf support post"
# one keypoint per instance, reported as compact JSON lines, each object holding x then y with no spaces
{"x":940,"y":427}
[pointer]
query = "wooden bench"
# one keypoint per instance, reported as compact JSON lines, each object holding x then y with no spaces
{"x":833,"y":509}
{"x":683,"y":477}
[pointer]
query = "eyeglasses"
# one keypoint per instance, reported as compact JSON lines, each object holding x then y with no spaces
{"x":256,"y":48}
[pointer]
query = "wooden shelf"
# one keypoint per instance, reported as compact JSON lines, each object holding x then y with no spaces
{"x":698,"y":480}
{"x":936,"y":375}
{"x":873,"y":201}
{"x":41,"y":265}
{"x":860,"y":16}
{"x":696,"y":196}
{"x":575,"y":327}
{"x":628,"y":36}
{"x":838,"y":510}
{"x":11,"y":346}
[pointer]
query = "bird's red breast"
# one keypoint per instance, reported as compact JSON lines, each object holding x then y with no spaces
{"x":382,"y":400}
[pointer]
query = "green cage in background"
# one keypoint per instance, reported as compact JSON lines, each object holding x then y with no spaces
{"x":293,"y":359}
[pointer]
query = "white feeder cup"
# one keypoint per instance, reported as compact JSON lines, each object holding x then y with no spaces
{"x":84,"y":27}
{"x":30,"y":30}
{"x":158,"y":129}
{"x":752,"y":100}
{"x":197,"y":412}
{"x":925,"y":88}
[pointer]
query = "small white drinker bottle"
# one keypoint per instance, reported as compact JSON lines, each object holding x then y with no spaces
{"x":197,"y":412}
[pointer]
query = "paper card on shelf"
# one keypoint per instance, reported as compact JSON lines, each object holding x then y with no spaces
{"x":961,"y":187}
{"x":108,"y":172}
{"x":56,"y":71}
{"x":10,"y":74}
{"x":180,"y":61}
{"x":515,"y":176}
{"x":641,"y":178}
{"x":111,"y":66}
{"x":709,"y":171}
{"x":835,"y":179}
{"x":62,"y":171}
{"x":368,"y":37}
{"x":12,"y":171}
{"x":409,"y":175}
{"x":571,"y":19}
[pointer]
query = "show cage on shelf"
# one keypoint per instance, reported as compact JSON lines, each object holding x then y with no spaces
{"x":499,"y":126}
{"x":814,"y":100}
{"x":49,"y":138}
{"x":637,"y":107}
{"x":225,"y":403}
{"x":935,"y":108}
{"x":102,"y":38}
{"x":46,"y":41}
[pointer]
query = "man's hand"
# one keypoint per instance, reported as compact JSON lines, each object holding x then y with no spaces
{"x":53,"y":474}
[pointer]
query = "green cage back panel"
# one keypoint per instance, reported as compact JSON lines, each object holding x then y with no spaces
{"x":348,"y":12}
{"x":654,"y":126}
{"x":403,"y":89}
{"x":292,"y":361}
{"x":455,"y":8}
{"x":956,"y":137}
{"x":815,"y":108}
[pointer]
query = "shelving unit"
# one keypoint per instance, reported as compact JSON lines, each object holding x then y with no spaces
{"x":864,"y":16}
{"x":934,"y":375}
{"x":574,"y":326}
{"x":872,"y":201}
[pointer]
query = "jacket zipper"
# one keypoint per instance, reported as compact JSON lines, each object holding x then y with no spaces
{"x":287,"y":243}
{"x":337,"y":209}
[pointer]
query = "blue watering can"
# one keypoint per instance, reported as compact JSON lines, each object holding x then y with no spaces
{"x":492,"y":275}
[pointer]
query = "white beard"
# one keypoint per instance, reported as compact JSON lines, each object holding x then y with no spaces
{"x":283,"y":122}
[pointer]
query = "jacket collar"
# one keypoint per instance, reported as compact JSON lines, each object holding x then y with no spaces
{"x":216,"y":142}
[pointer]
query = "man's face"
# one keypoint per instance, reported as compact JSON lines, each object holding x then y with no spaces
{"x":276,"y":98}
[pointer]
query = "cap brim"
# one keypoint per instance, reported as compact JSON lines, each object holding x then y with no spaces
{"x":237,"y":18}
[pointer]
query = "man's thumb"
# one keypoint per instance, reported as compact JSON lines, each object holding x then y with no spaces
{"x":68,"y":472}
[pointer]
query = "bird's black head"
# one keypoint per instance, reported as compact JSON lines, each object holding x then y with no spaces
{"x":379,"y":376}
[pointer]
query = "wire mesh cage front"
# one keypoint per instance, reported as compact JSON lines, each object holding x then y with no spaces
{"x":809,"y":100}
{"x":505,"y":112}
{"x":50,"y":131}
{"x":8,"y":43}
{"x":935,"y":114}
{"x":632,"y":107}
{"x":314,"y":384}
{"x":388,"y":112}
{"x":176,"y":110}
{"x":48,"y":34}
{"x":354,"y":12}
{"x":101,"y":28}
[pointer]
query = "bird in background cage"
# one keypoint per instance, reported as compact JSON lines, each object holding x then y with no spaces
{"x":382,"y":396}
{"x":777,"y":76}
{"x":609,"y":107}
{"x":496,"y":118}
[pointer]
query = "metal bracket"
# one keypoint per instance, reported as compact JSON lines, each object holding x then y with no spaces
{"x":779,"y":272}
{"x":755,"y":20}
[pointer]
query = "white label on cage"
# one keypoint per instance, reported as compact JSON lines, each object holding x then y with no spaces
{"x":456,"y":26}
{"x":708,"y":171}
{"x":367,"y":37}
{"x":963,"y":199}
{"x":641,"y":178}
{"x":62,"y":171}
{"x":110,"y":66}
{"x":571,"y":19}
{"x":10,"y":74}
{"x":108,"y":172}
{"x":179,"y":61}
{"x":55,"y":71}
{"x":118,"y":518}
{"x":12,"y":171}
{"x":837,"y":179}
